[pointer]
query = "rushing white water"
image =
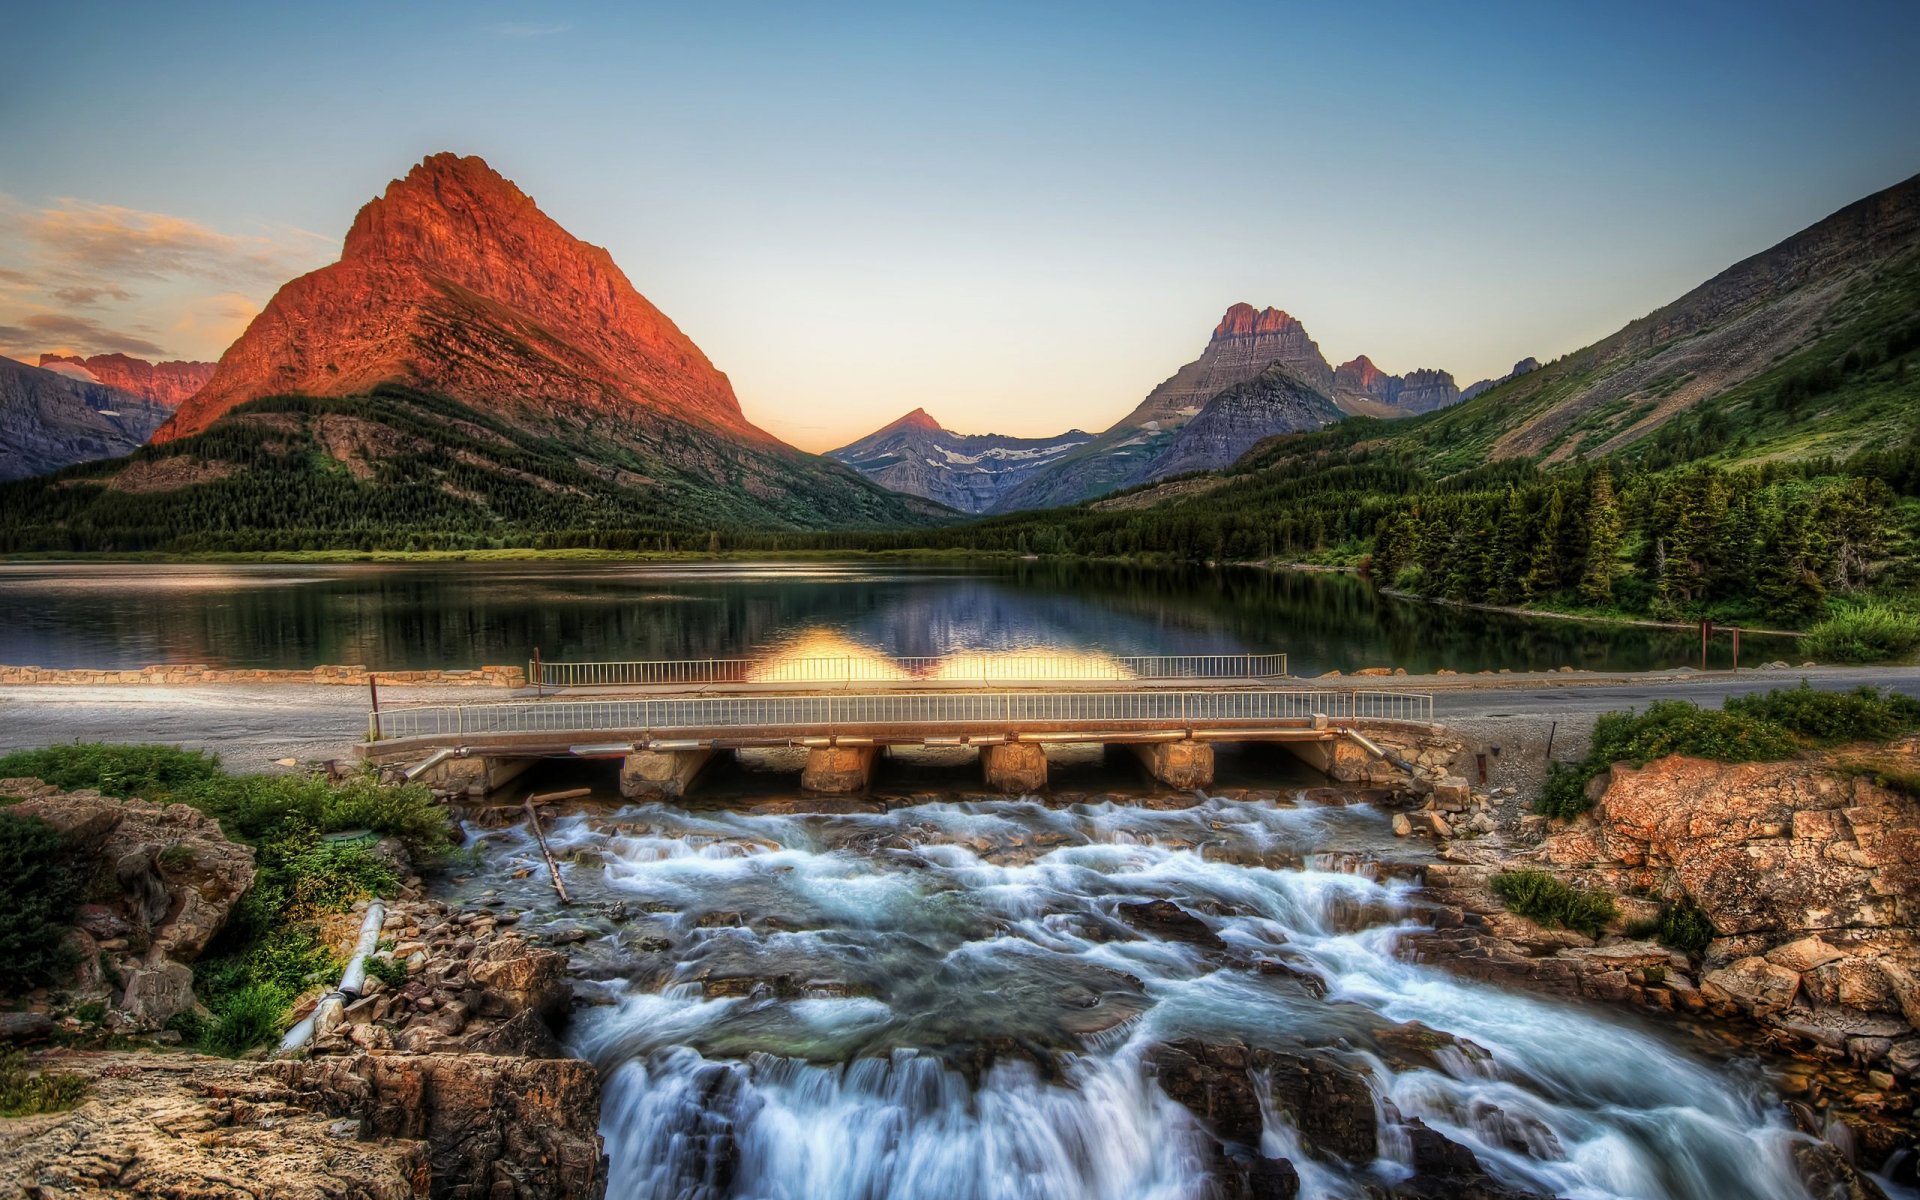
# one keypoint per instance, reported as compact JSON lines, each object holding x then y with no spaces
{"x":943,"y":1002}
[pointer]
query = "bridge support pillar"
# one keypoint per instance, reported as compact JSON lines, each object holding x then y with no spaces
{"x":478,"y":776}
{"x":1183,"y":765}
{"x":838,"y":770}
{"x":1340,"y":759}
{"x":661,"y":774}
{"x":1014,"y":767}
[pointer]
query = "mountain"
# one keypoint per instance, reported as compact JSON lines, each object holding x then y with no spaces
{"x":1729,"y":346}
{"x":1486,"y":385}
{"x":467,"y":370}
{"x":1274,"y":401}
{"x":49,"y":420}
{"x":165,"y":383}
{"x":455,"y":283}
{"x":1244,"y":344}
{"x":968,"y":472}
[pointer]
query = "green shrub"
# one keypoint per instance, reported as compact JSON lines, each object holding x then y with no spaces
{"x":36,"y":905}
{"x":25,"y":1092}
{"x":1546,"y":899}
{"x":1684,"y":926}
{"x":251,"y":1016}
{"x":251,"y":808}
{"x":261,"y":809}
{"x":327,"y":877}
{"x":1830,"y":718}
{"x":1872,"y":632}
{"x":390,"y":971}
{"x":147,"y":771}
{"x":1666,"y":727}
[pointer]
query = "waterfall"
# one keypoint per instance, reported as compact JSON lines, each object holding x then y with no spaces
{"x":949,"y":1001}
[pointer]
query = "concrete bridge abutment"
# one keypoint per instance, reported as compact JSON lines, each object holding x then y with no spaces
{"x":477,"y":775}
{"x":838,"y":770}
{"x":1014,"y":767}
{"x":1184,"y":765}
{"x":661,"y":774}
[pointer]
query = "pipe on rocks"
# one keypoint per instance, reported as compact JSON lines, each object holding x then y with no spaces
{"x":352,"y":981}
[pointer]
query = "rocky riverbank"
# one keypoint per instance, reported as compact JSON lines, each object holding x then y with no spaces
{"x":1807,"y":876}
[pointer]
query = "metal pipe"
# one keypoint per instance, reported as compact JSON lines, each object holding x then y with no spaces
{"x":432,"y":760}
{"x":352,"y":981}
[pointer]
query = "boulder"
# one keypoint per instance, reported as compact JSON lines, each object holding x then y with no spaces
{"x":1167,"y":921}
{"x":1752,"y":985}
{"x":1219,"y":1082}
{"x":156,"y":994}
{"x":175,"y":875}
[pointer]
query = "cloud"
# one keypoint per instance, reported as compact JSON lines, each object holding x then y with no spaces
{"x":137,"y":272}
{"x":66,"y":332}
{"x":90,"y":244}
{"x":524,"y":29}
{"x":90,"y":294}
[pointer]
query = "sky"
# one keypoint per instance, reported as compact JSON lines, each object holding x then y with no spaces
{"x":1020,"y":217}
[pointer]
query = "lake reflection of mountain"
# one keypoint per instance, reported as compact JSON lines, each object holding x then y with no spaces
{"x":466,"y":614}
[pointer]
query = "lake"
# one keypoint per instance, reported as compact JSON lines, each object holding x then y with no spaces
{"x":417,"y":615}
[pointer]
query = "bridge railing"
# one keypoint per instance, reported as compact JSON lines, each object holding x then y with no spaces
{"x":820,"y":714}
{"x":962,"y":668}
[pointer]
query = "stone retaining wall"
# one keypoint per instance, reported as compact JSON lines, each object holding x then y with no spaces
{"x":174,"y":674}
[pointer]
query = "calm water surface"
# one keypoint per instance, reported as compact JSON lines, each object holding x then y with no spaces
{"x":404,"y":616}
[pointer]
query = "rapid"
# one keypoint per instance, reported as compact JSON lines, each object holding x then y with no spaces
{"x":960,"y":998}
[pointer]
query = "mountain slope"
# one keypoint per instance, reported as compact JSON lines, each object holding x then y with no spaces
{"x":968,"y":472}
{"x":165,"y":383}
{"x":49,"y":420}
{"x":1722,"y":347}
{"x":1272,"y":402}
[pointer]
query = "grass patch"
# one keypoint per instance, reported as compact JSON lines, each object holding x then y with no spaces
{"x":25,"y":1092}
{"x":1833,"y":718}
{"x":147,"y":771}
{"x":36,"y":906}
{"x":256,"y":809}
{"x":1871,"y":632}
{"x":1542,"y":897}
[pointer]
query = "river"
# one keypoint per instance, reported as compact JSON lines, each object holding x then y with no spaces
{"x":942,"y":996}
{"x":464,"y":614}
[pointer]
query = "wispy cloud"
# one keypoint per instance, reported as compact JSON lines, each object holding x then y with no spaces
{"x":525,"y":29}
{"x":132,"y":274}
{"x":91,"y":240}
{"x":66,"y":332}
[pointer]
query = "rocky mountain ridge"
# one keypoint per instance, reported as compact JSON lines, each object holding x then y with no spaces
{"x":168,"y":383}
{"x":968,"y":472}
{"x":49,"y":420}
{"x":456,"y":283}
{"x":1245,"y":343}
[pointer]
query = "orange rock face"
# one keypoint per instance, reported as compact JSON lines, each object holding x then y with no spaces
{"x":455,"y":282}
{"x":169,"y":383}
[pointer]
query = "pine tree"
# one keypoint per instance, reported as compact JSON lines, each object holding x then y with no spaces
{"x":1603,"y":528}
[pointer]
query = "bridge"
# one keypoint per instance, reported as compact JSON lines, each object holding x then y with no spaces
{"x":686,"y":713}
